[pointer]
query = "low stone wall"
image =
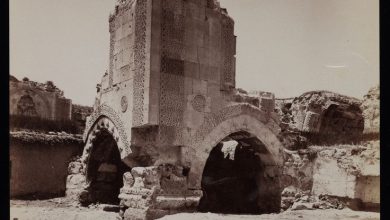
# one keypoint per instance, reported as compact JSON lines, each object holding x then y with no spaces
{"x":39,"y":164}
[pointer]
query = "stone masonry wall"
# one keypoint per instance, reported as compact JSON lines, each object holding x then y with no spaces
{"x":38,"y":100}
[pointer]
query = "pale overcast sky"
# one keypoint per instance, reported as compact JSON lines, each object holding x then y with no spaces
{"x":283,"y":46}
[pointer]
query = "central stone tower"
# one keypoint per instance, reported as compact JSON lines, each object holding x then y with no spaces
{"x":165,"y":51}
{"x":171,"y":62}
{"x":166,"y":101}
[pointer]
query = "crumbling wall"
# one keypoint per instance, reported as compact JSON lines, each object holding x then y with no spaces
{"x":262,"y":100}
{"x":298,"y":169}
{"x":332,"y":177}
{"x":321,"y":117}
{"x":351,"y":172}
{"x":35,"y":99}
{"x":371,"y":111}
{"x":39,"y":163}
{"x":317,"y":165}
{"x":80,"y":114}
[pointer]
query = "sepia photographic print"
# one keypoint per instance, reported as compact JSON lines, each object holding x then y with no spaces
{"x":194,"y":109}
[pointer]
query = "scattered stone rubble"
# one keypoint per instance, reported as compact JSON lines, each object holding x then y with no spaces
{"x":330,"y":174}
{"x":301,"y":168}
{"x":153,"y":192}
{"x":318,"y":115}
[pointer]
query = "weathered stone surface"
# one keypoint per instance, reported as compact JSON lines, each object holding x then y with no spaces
{"x":135,"y":201}
{"x":302,"y":206}
{"x":165,"y":202}
{"x":135,"y":214}
{"x":371,"y":111}
{"x":342,"y":175}
{"x":145,"y":177}
{"x":344,"y":167}
{"x":149,"y":194}
{"x":321,"y":118}
{"x":75,"y":167}
{"x":128,"y":180}
{"x":298,"y":170}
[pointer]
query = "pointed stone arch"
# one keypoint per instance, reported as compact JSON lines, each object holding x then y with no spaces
{"x":235,"y":118}
{"x":106,"y":124}
{"x":103,"y":162}
{"x":106,"y":117}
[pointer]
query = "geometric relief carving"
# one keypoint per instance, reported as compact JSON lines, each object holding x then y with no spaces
{"x":171,"y":99}
{"x":124,"y":103}
{"x":111,"y":64}
{"x":311,"y":122}
{"x":212,"y":120}
{"x":228,"y":48}
{"x":139,"y":61}
{"x":198,"y":103}
{"x":172,"y":31}
{"x":105,"y":110}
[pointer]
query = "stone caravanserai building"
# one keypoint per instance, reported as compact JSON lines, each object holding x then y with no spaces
{"x":164,"y":131}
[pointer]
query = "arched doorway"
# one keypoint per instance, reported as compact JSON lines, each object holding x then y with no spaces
{"x":26,"y":106}
{"x":236,"y":177}
{"x":105,"y":169}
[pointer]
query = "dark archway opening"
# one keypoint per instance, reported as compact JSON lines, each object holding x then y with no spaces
{"x":234,"y":180}
{"x":105,"y":170}
{"x":340,"y":124}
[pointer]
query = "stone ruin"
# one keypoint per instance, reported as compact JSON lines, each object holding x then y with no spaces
{"x":35,"y":99}
{"x":323,"y":117}
{"x":163,"y":108}
{"x":332,"y":161}
{"x":170,"y":132}
{"x":33,"y":102}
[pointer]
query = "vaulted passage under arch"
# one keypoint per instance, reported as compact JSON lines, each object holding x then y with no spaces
{"x":105,"y":170}
{"x":236,"y":177}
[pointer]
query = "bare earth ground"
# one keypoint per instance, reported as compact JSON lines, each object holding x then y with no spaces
{"x":60,"y":209}
{"x":345,"y":214}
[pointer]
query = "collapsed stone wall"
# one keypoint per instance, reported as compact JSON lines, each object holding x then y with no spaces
{"x":322,"y":117}
{"x":371,"y":111}
{"x":334,"y":177}
{"x":35,"y":99}
{"x":262,"y":100}
{"x":42,"y":106}
{"x":324,"y":172}
{"x":318,"y":122}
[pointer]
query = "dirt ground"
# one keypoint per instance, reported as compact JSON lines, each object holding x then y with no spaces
{"x":57,"y":209}
{"x":329,"y":214}
{"x":61,"y":209}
